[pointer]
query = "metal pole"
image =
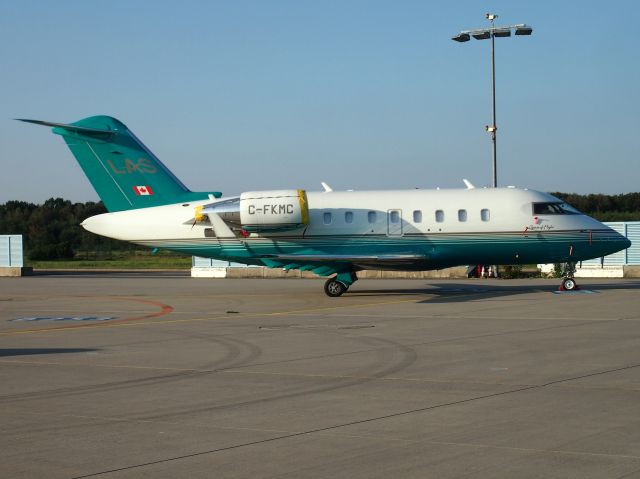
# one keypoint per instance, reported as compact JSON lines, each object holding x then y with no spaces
{"x":493,"y":126}
{"x":493,"y":96}
{"x":484,"y":34}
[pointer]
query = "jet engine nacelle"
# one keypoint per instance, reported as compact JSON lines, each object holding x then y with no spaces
{"x":273,"y":210}
{"x":261,"y":211}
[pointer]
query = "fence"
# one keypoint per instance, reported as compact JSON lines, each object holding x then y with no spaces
{"x":198,"y":262}
{"x":629,"y":256}
{"x":11,"y":255}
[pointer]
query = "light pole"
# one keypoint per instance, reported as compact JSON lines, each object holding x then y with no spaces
{"x":484,"y":34}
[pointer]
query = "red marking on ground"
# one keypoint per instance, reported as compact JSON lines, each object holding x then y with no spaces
{"x":164,"y":310}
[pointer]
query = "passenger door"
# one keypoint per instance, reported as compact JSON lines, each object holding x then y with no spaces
{"x":394,"y":222}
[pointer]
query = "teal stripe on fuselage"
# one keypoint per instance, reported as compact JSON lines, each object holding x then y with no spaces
{"x":440,"y":250}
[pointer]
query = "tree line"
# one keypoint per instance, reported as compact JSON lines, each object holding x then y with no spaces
{"x":624,"y":207}
{"x":52,"y":230}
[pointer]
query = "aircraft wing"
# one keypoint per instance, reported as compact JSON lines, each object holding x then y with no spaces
{"x":346,"y":257}
{"x":298,"y":261}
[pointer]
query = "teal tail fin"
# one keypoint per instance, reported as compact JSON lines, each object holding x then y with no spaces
{"x":124,"y":172}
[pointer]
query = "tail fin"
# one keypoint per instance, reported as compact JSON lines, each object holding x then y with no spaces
{"x":124,"y":173}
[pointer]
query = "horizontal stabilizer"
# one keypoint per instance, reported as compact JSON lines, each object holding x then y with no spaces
{"x":76,"y":129}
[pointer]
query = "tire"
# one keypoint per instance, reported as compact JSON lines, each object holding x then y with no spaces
{"x":334,"y":288}
{"x":569,"y":284}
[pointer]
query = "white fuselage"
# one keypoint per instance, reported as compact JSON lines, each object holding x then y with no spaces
{"x":452,"y":226}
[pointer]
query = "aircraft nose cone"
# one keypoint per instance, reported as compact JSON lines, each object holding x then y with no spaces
{"x":609,"y":241}
{"x":619,"y":242}
{"x":625,"y":242}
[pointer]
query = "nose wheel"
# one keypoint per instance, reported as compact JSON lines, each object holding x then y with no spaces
{"x":568,"y":284}
{"x":568,"y":281}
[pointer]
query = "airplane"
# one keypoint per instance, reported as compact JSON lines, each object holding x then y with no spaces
{"x":334,"y":234}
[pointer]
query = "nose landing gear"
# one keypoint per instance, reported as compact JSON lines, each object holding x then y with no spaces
{"x":568,"y":281}
{"x":568,"y":284}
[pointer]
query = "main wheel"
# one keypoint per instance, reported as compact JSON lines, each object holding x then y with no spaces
{"x":334,"y":288}
{"x":569,"y":284}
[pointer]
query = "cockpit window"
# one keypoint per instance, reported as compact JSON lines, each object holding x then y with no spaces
{"x":554,"y":209}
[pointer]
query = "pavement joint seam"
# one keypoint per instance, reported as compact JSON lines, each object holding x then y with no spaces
{"x":353,"y":423}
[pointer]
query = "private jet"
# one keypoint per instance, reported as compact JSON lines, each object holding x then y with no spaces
{"x":333,"y":234}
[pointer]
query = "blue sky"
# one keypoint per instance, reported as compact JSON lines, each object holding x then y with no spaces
{"x":245,"y":95}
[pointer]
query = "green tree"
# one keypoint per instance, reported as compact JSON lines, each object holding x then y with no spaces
{"x":624,"y":207}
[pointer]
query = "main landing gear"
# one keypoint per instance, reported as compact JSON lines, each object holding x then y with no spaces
{"x":339,"y":284}
{"x":568,"y":281}
{"x":334,"y":288}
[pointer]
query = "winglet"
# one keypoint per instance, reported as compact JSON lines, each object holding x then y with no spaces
{"x":468,"y":184}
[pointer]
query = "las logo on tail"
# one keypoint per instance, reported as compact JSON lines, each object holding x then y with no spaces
{"x":331,"y":233}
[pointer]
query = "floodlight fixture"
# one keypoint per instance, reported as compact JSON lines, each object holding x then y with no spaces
{"x":523,"y":30}
{"x":463,"y":37}
{"x":482,"y":34}
{"x":502,"y":32}
{"x":493,"y":32}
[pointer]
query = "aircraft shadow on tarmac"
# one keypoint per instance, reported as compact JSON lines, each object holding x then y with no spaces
{"x":31,"y":351}
{"x":115,"y":273}
{"x":459,"y":293}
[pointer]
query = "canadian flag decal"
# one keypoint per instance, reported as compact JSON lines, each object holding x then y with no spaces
{"x":143,"y":190}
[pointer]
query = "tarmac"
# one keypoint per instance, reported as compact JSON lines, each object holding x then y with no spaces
{"x":166,"y":376}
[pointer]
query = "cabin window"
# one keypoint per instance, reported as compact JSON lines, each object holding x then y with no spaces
{"x":371,"y":216}
{"x":439,"y":216}
{"x":394,"y":216}
{"x":417,"y":216}
{"x":485,"y":215}
{"x":326,"y":218}
{"x":348,"y":217}
{"x":462,"y":215}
